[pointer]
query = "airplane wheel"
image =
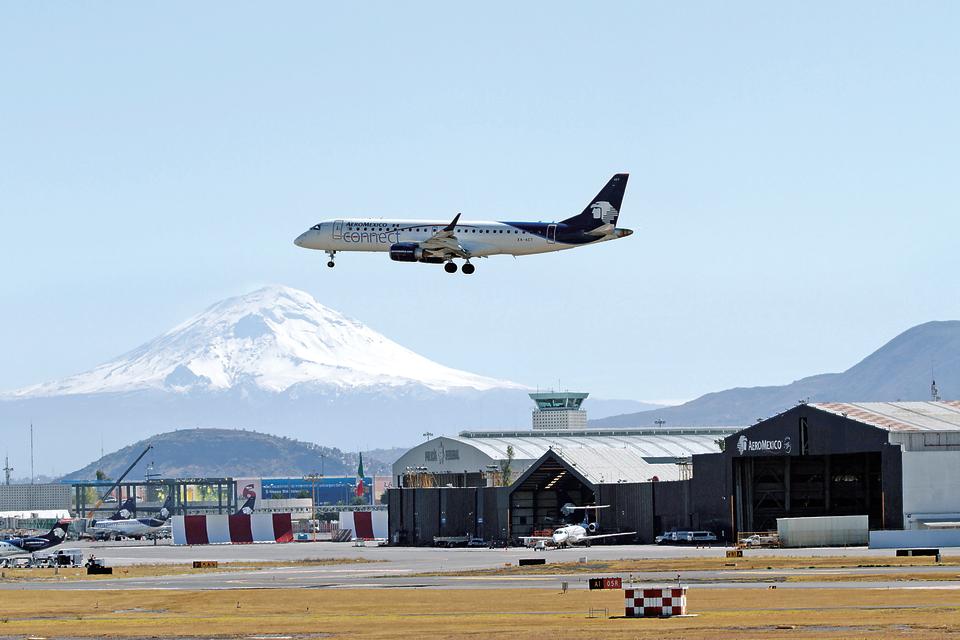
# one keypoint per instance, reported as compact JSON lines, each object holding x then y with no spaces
{"x":331,"y":264}
{"x":451,"y":267}
{"x":469,"y":268}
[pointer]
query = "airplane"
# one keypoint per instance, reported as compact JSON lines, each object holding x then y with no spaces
{"x":575,"y":534}
{"x":27,"y":545}
{"x":135,"y":528}
{"x":438,"y":242}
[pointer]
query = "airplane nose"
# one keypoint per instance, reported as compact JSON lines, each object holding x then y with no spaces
{"x":301,"y":239}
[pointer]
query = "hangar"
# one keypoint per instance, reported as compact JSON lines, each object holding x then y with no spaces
{"x":896,"y":462}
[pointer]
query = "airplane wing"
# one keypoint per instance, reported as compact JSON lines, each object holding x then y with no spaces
{"x":611,"y":535}
{"x":526,"y":538}
{"x":444,"y":243}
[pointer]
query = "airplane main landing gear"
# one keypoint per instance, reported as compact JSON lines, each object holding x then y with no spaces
{"x":331,"y":263}
{"x":450,"y":267}
{"x":468,"y":268}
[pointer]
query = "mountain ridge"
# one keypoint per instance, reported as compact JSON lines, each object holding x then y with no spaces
{"x":219,"y":453}
{"x":902,"y":369}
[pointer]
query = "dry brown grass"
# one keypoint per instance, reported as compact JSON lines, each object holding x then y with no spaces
{"x":151,"y":570}
{"x":751,"y":563}
{"x":482,"y":614}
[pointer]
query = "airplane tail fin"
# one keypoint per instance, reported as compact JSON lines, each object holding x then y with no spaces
{"x":249,"y":491}
{"x":127,"y":510}
{"x":247,"y":508}
{"x":166,"y":509}
{"x":59,"y":532}
{"x":604,"y":209}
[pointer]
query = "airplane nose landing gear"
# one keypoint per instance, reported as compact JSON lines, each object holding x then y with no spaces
{"x":450,"y":267}
{"x":468,"y":268}
{"x":331,"y":263}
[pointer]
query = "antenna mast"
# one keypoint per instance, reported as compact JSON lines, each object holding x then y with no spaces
{"x":7,"y":468}
{"x":31,"y":452}
{"x":934,"y":392}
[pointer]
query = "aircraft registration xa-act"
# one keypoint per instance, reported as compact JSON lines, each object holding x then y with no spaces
{"x":438,"y":242}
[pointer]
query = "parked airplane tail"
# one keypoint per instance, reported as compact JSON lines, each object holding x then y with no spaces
{"x":247,"y":508}
{"x":164,"y":514}
{"x":58,"y":533}
{"x":604,"y":209}
{"x":126,"y":511}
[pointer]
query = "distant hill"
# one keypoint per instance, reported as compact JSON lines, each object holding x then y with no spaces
{"x":193,"y":453}
{"x":899,"y":370}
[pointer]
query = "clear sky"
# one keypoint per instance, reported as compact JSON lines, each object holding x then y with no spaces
{"x":794,"y":178}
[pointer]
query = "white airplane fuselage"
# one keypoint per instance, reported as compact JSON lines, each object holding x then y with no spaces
{"x":131,"y":528}
{"x":478,"y":239}
{"x":570,"y":535}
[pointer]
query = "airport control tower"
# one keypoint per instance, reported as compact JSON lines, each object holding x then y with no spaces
{"x":559,"y":410}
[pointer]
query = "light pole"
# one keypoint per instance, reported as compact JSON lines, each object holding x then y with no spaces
{"x":313,"y":504}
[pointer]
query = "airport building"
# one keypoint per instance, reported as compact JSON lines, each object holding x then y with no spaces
{"x":27,"y":498}
{"x":897,"y":463}
{"x":484,"y":458}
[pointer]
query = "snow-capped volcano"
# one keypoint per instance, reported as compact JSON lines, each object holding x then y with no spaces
{"x":273,"y":338}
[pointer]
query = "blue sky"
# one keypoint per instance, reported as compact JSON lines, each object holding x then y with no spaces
{"x":793,"y":178}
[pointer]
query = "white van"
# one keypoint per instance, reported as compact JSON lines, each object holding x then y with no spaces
{"x":700,"y":537}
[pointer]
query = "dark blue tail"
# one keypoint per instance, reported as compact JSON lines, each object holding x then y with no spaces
{"x":604,"y":208}
{"x":126,"y":511}
{"x":247,"y":508}
{"x":166,"y":509}
{"x":58,"y":533}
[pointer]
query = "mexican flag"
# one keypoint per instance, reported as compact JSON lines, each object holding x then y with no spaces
{"x":359,"y":490}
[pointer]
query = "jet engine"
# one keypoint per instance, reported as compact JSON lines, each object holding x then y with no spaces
{"x":411,"y":252}
{"x":592,"y":527}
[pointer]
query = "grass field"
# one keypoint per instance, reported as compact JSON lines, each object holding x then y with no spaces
{"x":507,"y":613}
{"x":149,"y":570}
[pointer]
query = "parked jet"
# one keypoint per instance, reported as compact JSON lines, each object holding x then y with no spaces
{"x":438,"y":242}
{"x":576,"y":534}
{"x":135,"y":528}
{"x":27,"y":545}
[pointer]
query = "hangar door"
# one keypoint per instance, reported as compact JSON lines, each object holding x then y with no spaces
{"x":767,"y":488}
{"x":537,"y":498}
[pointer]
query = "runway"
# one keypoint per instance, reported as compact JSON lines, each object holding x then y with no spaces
{"x":431,"y":568}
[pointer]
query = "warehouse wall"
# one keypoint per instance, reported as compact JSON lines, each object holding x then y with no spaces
{"x":930,"y":483}
{"x":416,"y":516}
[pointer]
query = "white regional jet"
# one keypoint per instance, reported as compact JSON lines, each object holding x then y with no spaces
{"x":438,"y":242}
{"x":576,"y":534}
{"x":129,"y":527}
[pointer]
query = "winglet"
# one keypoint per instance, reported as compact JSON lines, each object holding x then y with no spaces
{"x":452,"y":225}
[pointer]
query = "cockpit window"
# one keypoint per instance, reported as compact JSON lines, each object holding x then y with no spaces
{"x":316,"y":227}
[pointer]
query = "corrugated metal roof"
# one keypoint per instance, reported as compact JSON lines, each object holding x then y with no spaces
{"x":609,"y":465}
{"x":899,"y":416}
{"x":531,"y":445}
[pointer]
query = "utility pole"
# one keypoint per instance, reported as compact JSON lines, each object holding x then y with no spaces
{"x":7,"y":468}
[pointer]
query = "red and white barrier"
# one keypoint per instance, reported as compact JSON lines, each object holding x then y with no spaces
{"x":656,"y":603}
{"x":235,"y":529}
{"x":365,"y":525}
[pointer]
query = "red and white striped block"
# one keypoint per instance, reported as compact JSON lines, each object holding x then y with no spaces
{"x":235,"y":529}
{"x":656,"y":603}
